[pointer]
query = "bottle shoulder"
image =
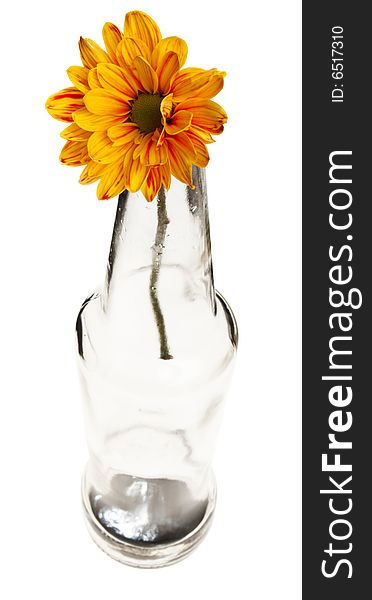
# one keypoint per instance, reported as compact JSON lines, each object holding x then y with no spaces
{"x":202,"y":342}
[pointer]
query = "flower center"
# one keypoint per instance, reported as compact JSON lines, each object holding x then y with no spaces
{"x":146,"y":112}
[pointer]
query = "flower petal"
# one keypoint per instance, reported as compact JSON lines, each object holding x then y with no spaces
{"x":170,"y":44}
{"x":90,"y":122}
{"x":146,"y":74}
{"x":136,"y":175}
{"x":74,"y":154}
{"x":131,"y":80}
{"x":161,"y":137}
{"x":197,"y":83}
{"x":207,"y":114}
{"x":112,"y":36}
{"x":152,"y":184}
{"x":123,"y":133}
{"x":202,"y":154}
{"x":139,"y":25}
{"x":165,"y":173}
{"x":213,"y":86}
{"x":180,"y":121}
{"x":105,"y":102}
{"x":91,"y":53}
{"x":205,"y":136}
{"x":166,"y":106}
{"x":91,"y":173}
{"x":79,"y":77}
{"x":93,"y":80}
{"x":150,"y":152}
{"x":115,"y":78}
{"x":135,"y":171}
{"x":101,"y":150}
{"x":129,"y":48}
{"x":141,"y":145}
{"x":181,"y":156}
{"x":155,"y":155}
{"x":167,"y":68}
{"x":112,"y":182}
{"x":183,"y":144}
{"x":75,"y":133}
{"x":62,"y":105}
{"x":157,"y":176}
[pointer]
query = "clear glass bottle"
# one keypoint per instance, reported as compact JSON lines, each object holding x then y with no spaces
{"x":156,"y":347}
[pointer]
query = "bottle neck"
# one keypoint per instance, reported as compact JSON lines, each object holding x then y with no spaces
{"x":169,"y":238}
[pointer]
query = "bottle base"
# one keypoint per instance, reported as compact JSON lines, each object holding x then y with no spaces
{"x":147,"y":555}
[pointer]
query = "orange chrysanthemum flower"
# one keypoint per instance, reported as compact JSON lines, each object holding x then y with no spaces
{"x":136,"y":116}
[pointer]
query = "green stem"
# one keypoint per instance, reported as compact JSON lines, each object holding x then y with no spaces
{"x":156,"y":263}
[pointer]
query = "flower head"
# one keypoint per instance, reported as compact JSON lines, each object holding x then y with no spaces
{"x":136,"y":116}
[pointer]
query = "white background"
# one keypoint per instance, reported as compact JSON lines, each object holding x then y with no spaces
{"x":54,"y":244}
